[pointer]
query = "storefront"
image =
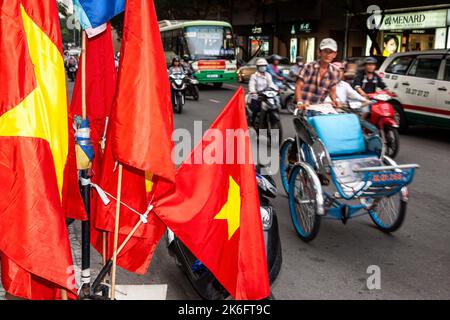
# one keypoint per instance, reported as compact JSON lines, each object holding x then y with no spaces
{"x":254,"y":40}
{"x":303,"y":40}
{"x":413,"y":31}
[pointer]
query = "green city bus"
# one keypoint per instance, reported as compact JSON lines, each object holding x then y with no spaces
{"x":209,"y":46}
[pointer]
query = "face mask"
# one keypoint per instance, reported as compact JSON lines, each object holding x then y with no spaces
{"x":262,"y":69}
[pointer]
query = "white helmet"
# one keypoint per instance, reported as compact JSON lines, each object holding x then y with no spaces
{"x":261,"y":62}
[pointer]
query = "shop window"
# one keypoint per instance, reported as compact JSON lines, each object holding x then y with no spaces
{"x":427,"y":68}
{"x":400,"y":65}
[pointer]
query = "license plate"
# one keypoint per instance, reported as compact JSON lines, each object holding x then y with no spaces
{"x":212,"y":76}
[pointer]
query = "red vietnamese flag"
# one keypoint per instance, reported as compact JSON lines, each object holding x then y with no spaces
{"x":139,"y":137}
{"x":142,"y":118}
{"x":34,"y":152}
{"x":215,"y":210}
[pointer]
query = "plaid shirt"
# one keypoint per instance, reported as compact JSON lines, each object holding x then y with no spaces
{"x":313,"y":91}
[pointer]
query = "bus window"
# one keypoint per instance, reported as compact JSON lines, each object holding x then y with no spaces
{"x":210,"y":42}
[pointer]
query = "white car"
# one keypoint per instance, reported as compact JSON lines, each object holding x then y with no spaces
{"x":421,"y":83}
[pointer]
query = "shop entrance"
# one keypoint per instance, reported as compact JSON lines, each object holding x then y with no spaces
{"x":308,"y":49}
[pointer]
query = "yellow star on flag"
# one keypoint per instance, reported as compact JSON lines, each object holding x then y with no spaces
{"x":231,"y":211}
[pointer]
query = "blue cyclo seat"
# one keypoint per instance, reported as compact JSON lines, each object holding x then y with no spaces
{"x":341,"y":134}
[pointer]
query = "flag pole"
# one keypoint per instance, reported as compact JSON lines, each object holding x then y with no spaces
{"x":116,"y":234}
{"x":85,"y":192}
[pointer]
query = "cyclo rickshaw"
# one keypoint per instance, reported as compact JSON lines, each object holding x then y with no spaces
{"x":336,"y":168}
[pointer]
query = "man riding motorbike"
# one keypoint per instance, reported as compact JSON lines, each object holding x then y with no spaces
{"x":259,"y":81}
{"x":274,"y":70}
{"x":296,"y":68}
{"x":368,"y":81}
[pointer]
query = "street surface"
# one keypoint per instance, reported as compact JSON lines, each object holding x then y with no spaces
{"x":414,"y":262}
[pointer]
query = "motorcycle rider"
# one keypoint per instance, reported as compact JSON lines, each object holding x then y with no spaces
{"x":319,"y":79}
{"x":296,"y":68}
{"x":274,"y":70}
{"x":368,"y":81}
{"x":71,"y":62}
{"x":176,"y":66}
{"x":259,"y":81}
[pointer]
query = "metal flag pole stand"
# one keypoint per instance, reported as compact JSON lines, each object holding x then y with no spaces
{"x":85,"y":192}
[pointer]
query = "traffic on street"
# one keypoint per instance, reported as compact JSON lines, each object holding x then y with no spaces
{"x":223,"y":151}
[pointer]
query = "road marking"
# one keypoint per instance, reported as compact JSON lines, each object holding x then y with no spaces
{"x":214,"y":101}
{"x":231,"y":86}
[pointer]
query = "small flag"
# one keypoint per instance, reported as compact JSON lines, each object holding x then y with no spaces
{"x":94,"y":14}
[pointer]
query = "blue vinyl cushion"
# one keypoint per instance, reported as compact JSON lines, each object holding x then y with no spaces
{"x":341,"y":134}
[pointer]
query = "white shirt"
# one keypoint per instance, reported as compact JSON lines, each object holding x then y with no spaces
{"x":260,"y":82}
{"x":345,"y":93}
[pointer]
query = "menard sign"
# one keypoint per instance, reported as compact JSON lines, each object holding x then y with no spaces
{"x":415,"y":20}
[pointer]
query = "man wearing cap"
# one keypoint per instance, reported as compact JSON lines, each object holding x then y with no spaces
{"x":318,"y":79}
{"x":368,"y":81}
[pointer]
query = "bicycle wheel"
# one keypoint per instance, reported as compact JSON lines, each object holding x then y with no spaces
{"x":389,"y":214}
{"x":305,"y":197}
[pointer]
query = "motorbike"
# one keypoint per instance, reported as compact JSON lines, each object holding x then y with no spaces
{"x":72,"y":72}
{"x":178,"y":84}
{"x":288,"y":96}
{"x":383,"y":116}
{"x":192,"y":86}
{"x":269,"y":116}
{"x":202,"y":280}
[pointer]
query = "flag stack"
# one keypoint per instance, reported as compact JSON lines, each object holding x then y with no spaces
{"x":34,"y":152}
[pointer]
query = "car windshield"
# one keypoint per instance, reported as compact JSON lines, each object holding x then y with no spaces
{"x":210,"y":42}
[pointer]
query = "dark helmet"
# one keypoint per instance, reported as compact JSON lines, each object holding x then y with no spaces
{"x":275,"y":57}
{"x":370,"y":60}
{"x":299,"y":59}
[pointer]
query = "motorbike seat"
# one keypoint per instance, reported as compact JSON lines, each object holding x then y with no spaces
{"x":341,"y":134}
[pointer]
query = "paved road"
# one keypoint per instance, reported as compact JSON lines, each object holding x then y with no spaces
{"x":415,"y":262}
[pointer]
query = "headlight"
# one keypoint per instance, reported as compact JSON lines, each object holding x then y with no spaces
{"x":266,"y":217}
{"x":382,"y":97}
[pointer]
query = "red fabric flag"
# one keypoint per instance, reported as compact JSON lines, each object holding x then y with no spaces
{"x":101,"y":78}
{"x":215,"y":210}
{"x":142,"y":119}
{"x":34,"y":148}
{"x":139,"y":137}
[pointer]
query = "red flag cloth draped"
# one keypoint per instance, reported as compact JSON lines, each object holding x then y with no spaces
{"x":139,"y":137}
{"x":34,"y":148}
{"x":142,"y":119}
{"x":101,"y":78}
{"x":215,"y":210}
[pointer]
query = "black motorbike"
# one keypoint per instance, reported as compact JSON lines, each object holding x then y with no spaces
{"x":269,"y":118}
{"x":202,"y":280}
{"x":72,"y":70}
{"x":288,"y":96}
{"x":192,"y":89}
{"x":178,"y":84}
